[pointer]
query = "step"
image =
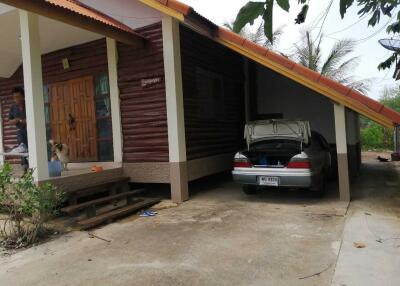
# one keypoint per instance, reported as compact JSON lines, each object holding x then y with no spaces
{"x":117,"y":213}
{"x":109,"y":183}
{"x":98,"y":188}
{"x":73,"y":208}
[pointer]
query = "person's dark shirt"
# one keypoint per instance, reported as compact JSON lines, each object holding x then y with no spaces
{"x":18,"y":111}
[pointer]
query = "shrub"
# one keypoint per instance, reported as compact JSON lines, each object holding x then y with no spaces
{"x":374,"y":136}
{"x":27,"y":207}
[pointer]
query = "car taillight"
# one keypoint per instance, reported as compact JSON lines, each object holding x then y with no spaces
{"x":242,"y":164}
{"x":299,"y":165}
{"x":241,"y":161}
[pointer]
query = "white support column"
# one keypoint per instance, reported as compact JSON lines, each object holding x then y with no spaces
{"x":175,"y":110}
{"x":33,"y":84}
{"x":341,"y":147}
{"x":112,"y":57}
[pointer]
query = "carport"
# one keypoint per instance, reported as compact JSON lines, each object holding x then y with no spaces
{"x":273,"y":86}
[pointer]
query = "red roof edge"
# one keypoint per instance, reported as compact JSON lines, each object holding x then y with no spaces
{"x":177,"y":6}
{"x":287,"y":63}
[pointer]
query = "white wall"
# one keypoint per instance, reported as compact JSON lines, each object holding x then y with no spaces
{"x":132,"y":13}
{"x":277,"y":94}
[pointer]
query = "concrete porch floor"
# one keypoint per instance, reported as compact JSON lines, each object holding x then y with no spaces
{"x":223,"y":237}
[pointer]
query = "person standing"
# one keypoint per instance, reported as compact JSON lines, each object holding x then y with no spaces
{"x":17,"y":117}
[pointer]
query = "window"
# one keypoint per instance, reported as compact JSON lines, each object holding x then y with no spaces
{"x":210,"y":95}
{"x":103,"y":116}
{"x":47,"y":118}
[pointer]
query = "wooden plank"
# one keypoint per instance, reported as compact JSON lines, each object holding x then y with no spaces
{"x":118,"y":213}
{"x":74,"y":208}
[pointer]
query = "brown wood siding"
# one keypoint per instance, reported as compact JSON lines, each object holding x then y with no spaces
{"x":143,"y":109}
{"x":206,"y":137}
{"x":86,"y":59}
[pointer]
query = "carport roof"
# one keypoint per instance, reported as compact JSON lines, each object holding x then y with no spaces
{"x":337,"y":92}
{"x":77,"y":14}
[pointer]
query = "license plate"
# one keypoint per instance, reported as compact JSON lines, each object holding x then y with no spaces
{"x":268,"y":181}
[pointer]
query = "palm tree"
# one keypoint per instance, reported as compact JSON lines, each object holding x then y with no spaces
{"x":339,"y":64}
{"x":258,"y":36}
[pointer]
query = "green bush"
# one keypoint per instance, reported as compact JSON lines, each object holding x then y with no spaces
{"x":376,"y":137}
{"x":27,"y":207}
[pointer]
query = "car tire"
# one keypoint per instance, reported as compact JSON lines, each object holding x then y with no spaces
{"x":249,"y":189}
{"x":319,"y":192}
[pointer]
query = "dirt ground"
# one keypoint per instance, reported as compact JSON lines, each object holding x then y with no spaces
{"x":223,"y":237}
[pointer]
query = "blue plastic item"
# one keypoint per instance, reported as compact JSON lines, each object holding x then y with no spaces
{"x":148,"y":213}
{"x":54,"y":168}
{"x":263,"y":161}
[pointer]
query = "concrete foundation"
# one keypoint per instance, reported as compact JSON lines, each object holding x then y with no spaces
{"x":344,"y":181}
{"x":179,"y":182}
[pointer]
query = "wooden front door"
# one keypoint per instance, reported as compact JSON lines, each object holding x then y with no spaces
{"x":73,"y":117}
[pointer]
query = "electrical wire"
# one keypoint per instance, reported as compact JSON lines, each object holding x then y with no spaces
{"x":373,"y":34}
{"x":348,"y":27}
{"x":323,"y":22}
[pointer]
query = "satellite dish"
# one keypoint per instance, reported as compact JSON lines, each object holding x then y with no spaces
{"x":394,"y":46}
{"x":390,"y":44}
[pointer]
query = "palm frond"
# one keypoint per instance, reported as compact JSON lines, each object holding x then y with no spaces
{"x":338,"y":65}
{"x":339,"y":51}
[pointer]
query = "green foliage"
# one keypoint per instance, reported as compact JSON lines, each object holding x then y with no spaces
{"x":258,"y":35}
{"x":344,"y":5}
{"x":374,"y":136}
{"x":27,"y":206}
{"x":388,"y":62}
{"x":253,"y":10}
{"x":250,"y":12}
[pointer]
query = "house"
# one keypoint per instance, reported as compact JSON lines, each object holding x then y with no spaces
{"x":159,"y":91}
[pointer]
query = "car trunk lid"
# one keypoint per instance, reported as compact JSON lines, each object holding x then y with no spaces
{"x":277,"y":129}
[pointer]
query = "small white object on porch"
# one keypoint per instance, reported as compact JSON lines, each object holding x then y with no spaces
{"x":33,"y":84}
{"x":341,"y":147}
{"x":112,"y":58}
{"x":175,"y":110}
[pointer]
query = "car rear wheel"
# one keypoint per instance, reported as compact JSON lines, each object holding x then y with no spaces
{"x":319,"y":191}
{"x":249,"y":189}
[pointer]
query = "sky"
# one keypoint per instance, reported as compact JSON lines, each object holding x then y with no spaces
{"x":369,"y":51}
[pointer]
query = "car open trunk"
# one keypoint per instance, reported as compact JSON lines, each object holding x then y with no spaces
{"x":273,"y":153}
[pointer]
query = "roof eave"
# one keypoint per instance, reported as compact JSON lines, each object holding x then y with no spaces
{"x":78,"y":20}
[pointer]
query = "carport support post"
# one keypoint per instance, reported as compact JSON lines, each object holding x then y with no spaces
{"x":112,"y":58}
{"x":397,"y":138}
{"x":341,"y":147}
{"x":34,"y":103}
{"x":175,"y":110}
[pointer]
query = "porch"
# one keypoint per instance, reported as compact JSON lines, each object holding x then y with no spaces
{"x":62,"y":87}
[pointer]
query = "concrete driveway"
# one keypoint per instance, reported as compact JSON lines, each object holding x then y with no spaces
{"x":219,"y":237}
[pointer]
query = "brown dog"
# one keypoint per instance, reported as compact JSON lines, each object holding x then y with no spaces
{"x":60,"y":152}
